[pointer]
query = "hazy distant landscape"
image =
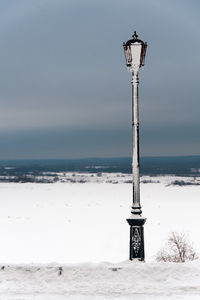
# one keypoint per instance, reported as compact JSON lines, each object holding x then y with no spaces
{"x":49,"y":171}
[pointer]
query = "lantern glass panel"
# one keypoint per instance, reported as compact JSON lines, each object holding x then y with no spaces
{"x":143,"y":52}
{"x":136,"y":54}
{"x":128,"y":55}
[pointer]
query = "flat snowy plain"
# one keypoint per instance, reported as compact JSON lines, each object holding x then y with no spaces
{"x":80,"y":231}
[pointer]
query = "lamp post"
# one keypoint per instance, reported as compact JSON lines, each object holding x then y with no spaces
{"x":135,"y":51}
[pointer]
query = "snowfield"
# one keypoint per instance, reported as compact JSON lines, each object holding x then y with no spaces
{"x":127,"y":280}
{"x":80,"y":231}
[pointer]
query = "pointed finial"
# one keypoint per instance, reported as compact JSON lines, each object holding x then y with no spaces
{"x":135,"y":36}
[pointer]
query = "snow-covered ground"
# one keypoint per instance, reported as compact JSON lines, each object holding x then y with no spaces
{"x":76,"y":223}
{"x":122,"y":281}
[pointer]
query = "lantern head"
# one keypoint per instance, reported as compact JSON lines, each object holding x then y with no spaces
{"x":135,"y":51}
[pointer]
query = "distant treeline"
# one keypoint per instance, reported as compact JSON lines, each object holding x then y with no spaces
{"x":177,"y":165}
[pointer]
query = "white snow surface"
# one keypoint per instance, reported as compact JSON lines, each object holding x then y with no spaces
{"x":82,"y":228}
{"x":126,"y":280}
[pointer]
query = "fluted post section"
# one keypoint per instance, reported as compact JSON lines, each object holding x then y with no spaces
{"x":136,"y":208}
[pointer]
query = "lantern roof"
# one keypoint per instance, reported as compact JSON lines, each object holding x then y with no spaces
{"x":134,"y":40}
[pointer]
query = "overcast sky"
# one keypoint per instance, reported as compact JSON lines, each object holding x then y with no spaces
{"x":65,"y":91}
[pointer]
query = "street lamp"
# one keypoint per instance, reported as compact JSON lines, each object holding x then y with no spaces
{"x":135,"y":51}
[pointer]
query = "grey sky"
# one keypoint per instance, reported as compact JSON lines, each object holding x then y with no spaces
{"x":64,"y":87}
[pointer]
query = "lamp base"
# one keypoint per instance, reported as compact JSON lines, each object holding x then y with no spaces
{"x":136,"y":223}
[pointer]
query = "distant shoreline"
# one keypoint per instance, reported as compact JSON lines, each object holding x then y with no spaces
{"x":188,"y":166}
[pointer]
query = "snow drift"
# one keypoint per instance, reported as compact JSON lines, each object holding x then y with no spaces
{"x":127,"y":280}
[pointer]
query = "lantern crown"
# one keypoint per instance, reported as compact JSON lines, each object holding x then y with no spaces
{"x":134,"y":39}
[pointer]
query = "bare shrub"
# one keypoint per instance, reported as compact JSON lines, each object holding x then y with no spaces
{"x":178,"y":249}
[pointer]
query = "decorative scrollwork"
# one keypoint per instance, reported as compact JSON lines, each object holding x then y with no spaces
{"x":136,"y":241}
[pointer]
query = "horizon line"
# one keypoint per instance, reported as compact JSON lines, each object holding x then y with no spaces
{"x":99,"y":157}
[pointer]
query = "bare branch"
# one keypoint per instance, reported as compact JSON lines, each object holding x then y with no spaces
{"x":177,"y":249}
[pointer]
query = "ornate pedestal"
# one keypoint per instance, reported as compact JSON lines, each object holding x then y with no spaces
{"x":136,"y":237}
